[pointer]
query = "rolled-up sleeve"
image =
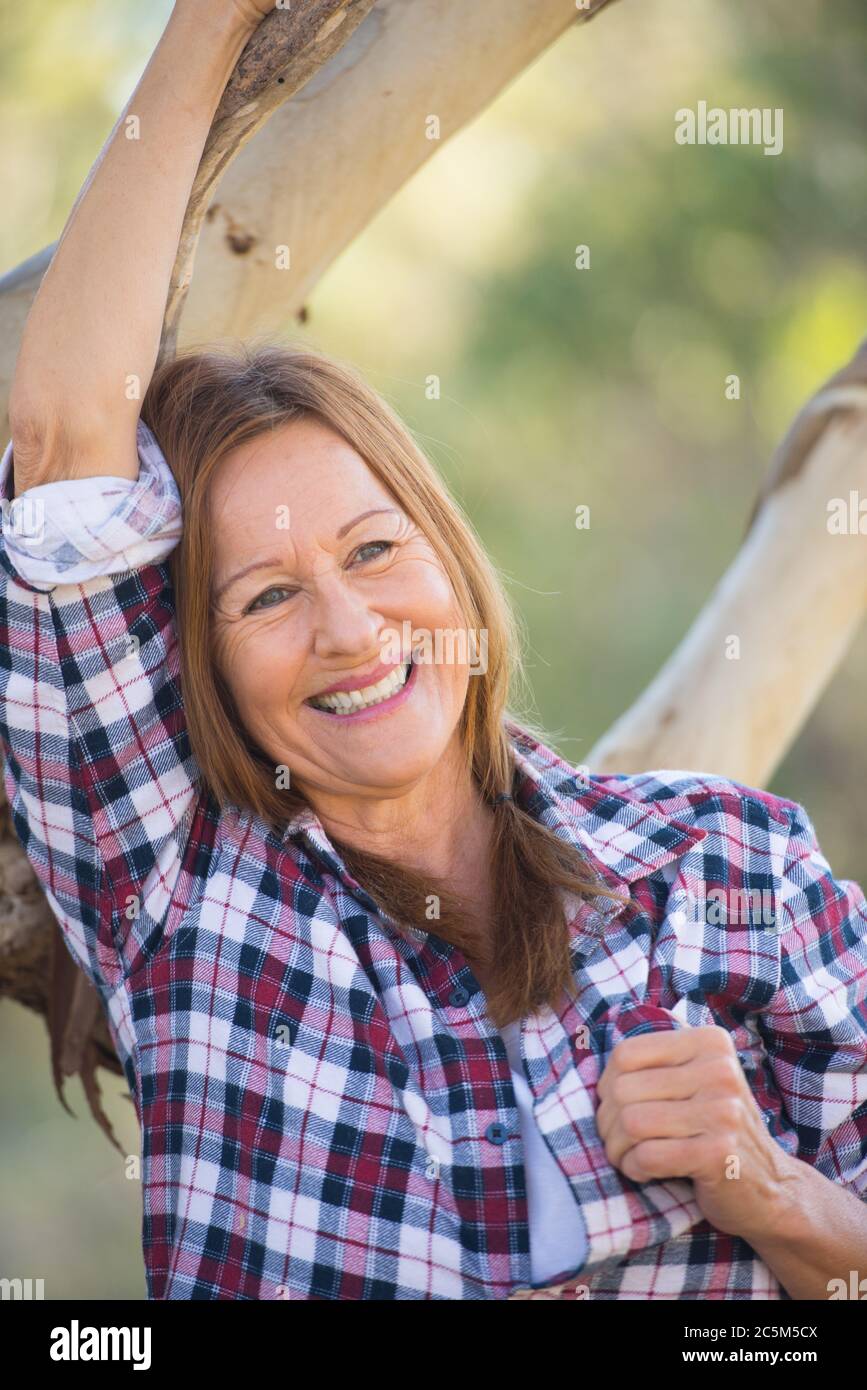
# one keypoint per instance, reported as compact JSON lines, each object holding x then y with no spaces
{"x":87,"y":528}
{"x":98,"y":769}
{"x":815,"y":1027}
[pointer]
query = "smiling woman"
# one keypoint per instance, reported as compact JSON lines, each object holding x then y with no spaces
{"x":293,"y":695}
{"x":409,"y":1007}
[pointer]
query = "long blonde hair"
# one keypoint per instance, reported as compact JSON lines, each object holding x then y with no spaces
{"x":201,"y":406}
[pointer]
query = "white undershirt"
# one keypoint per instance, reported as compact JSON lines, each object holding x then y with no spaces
{"x":558,"y":1239}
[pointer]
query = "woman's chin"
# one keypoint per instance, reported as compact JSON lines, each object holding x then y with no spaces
{"x":391,"y":771}
{"x":376,"y":759}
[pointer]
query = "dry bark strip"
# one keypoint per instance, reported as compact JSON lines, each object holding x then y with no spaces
{"x":288,"y":47}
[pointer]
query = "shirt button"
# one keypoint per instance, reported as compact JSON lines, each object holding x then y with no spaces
{"x":496,"y":1133}
{"x":459,"y":997}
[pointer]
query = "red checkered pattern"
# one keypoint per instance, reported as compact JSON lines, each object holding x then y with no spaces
{"x":326,"y":1109}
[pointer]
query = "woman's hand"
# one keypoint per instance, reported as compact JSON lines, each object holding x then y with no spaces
{"x":677,"y":1105}
{"x":254,"y":11}
{"x":249,"y":13}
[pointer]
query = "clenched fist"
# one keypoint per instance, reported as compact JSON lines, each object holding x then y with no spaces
{"x":677,"y":1105}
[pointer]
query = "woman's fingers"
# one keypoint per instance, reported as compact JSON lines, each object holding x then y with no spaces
{"x":709,"y":1074}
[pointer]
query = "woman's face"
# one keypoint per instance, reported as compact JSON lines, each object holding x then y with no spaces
{"x":343,"y":587}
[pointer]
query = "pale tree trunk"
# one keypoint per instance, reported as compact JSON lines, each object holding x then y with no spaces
{"x":733,"y":696}
{"x":342,"y":101}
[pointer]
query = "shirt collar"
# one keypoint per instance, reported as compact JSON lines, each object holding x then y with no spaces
{"x":621,"y":838}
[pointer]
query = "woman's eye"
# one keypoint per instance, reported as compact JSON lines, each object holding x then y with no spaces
{"x":368,"y":545}
{"x":257,"y":601}
{"x":378,"y":547}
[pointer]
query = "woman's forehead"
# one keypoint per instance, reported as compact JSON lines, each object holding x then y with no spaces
{"x":298,"y":495}
{"x":304,"y":466}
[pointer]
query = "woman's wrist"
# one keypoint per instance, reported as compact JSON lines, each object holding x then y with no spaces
{"x":785,"y":1207}
{"x":815,"y":1233}
{"x":224,"y":24}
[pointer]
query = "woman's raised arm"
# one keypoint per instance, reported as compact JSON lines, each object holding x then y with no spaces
{"x":95,"y":323}
{"x":101,"y":779}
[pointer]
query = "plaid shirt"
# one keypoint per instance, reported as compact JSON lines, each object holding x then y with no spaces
{"x":326,"y":1110}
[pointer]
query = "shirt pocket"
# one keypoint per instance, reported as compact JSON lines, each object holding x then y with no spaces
{"x":719,"y":946}
{"x":717,"y":960}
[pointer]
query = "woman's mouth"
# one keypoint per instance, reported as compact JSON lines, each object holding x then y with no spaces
{"x":368,"y":700}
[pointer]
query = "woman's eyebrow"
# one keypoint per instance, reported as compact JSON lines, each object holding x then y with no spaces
{"x":275,"y":563}
{"x":271,"y":564}
{"x":373,"y":512}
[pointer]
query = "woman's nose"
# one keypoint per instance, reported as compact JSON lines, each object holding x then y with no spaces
{"x":344,"y":622}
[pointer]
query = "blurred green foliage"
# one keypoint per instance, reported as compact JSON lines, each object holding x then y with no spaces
{"x":559,"y":387}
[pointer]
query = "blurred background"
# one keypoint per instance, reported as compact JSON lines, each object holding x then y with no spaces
{"x":603,"y":387}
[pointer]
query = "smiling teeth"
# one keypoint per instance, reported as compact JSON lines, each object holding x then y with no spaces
{"x":348,"y":701}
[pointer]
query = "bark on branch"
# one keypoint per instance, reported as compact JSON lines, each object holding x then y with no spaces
{"x":288,"y":47}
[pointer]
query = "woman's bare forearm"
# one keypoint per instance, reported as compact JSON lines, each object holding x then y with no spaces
{"x":816,"y":1244}
{"x":91,"y":340}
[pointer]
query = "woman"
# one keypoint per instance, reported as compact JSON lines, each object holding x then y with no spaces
{"x":408,"y":1007}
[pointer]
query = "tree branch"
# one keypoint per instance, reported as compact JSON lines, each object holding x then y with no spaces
{"x":282,"y":55}
{"x":739,"y":687}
